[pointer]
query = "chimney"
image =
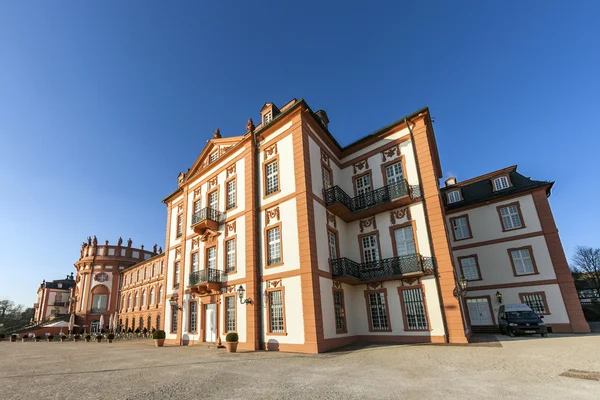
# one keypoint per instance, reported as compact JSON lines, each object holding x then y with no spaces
{"x":450,"y":181}
{"x":323,"y":115}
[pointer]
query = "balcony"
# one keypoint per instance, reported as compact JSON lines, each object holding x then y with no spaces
{"x":205,"y":281}
{"x":206,"y":218}
{"x":379,"y":200}
{"x":353,"y":273}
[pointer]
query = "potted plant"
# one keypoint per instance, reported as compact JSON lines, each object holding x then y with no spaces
{"x":231,"y":342}
{"x":13,"y":338}
{"x":159,"y":338}
{"x":50,"y":338}
{"x":110,"y":337}
{"x":2,"y":337}
{"x":76,"y":338}
{"x":24,"y":338}
{"x":88,"y":337}
{"x":99,"y":338}
{"x":63,"y":338}
{"x":37,"y":338}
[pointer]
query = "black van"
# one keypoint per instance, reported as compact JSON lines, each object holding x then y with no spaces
{"x":515,"y":319}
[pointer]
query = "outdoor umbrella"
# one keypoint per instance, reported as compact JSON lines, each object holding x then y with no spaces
{"x":116,"y":322}
{"x":71,"y":323}
{"x":101,"y":323}
{"x":110,"y":323}
{"x":59,"y":324}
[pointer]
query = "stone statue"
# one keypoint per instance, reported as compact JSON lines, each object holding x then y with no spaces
{"x":142,"y":247}
{"x":154,"y":248}
{"x":217,"y":134}
{"x":250,"y":126}
{"x":89,"y":241}
{"x":106,"y":242}
{"x":129,"y":241}
{"x":160,"y":250}
{"x":120,"y":241}
{"x":95,"y":241}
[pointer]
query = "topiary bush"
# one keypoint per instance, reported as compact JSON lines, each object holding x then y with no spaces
{"x":232,"y":337}
{"x":110,"y":336}
{"x":156,"y":335}
{"x":50,"y":338}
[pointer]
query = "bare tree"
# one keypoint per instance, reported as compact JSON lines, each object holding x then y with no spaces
{"x":585,"y":265}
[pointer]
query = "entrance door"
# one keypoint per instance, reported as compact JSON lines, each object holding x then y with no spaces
{"x":95,"y":327}
{"x":210,"y":323}
{"x":479,"y":312}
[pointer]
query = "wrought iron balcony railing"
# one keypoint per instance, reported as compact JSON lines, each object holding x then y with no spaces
{"x":98,"y":310}
{"x":207,"y":213}
{"x":208,"y":275}
{"x":59,"y":303}
{"x":395,"y":266}
{"x":373,"y":198}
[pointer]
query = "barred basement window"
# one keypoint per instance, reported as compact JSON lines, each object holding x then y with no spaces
{"x":230,"y":255}
{"x":230,"y":313}
{"x":414,"y":309}
{"x":272,"y":174}
{"x":231,"y":194}
{"x":340,"y":318}
{"x":276,"y":324}
{"x":193,"y":316}
{"x":378,"y":312}
{"x":536,"y":301}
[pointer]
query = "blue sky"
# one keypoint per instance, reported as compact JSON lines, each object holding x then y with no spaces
{"x":102,"y":104}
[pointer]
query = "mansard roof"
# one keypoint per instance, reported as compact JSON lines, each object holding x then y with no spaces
{"x":480,"y":189}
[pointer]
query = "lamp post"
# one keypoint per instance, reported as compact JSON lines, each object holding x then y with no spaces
{"x":499,"y":297}
{"x":174,"y":304}
{"x":241,"y":292}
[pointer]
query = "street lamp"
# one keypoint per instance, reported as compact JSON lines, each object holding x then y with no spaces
{"x":463,"y":284}
{"x":499,"y":296}
{"x":173,"y":302}
{"x":241,"y":292}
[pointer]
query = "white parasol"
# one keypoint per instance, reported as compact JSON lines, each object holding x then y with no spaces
{"x":101,"y":323}
{"x":116,"y":322}
{"x":110,"y":323}
{"x":59,"y":324}
{"x":71,"y":323}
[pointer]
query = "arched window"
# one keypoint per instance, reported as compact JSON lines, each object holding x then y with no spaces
{"x":99,"y":299}
{"x":152,"y":296}
{"x":158,"y":322}
{"x":123,"y":304}
{"x":144,"y":298}
{"x":160,"y":294}
{"x":141,"y":323}
{"x":126,"y":324}
{"x":145,"y":276}
{"x":138,"y":276}
{"x":137,"y":299}
{"x":149,"y":323}
{"x":120,"y":324}
{"x":129,"y":301}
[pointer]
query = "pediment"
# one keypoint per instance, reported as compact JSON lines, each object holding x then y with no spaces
{"x":222,"y":145}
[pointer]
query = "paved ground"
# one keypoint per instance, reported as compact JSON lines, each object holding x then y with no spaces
{"x":522,"y":367}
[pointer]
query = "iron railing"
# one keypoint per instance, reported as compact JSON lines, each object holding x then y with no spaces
{"x":395,"y":266}
{"x":207,"y":213}
{"x":373,"y":198}
{"x":208,"y":275}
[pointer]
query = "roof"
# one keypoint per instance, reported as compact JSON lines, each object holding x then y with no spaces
{"x":66,"y":284}
{"x":480,"y":189}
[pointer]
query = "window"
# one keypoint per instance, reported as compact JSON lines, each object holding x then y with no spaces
{"x":173,"y":319}
{"x":213,"y":157}
{"x":123,"y":303}
{"x":230,"y":314}
{"x":162,"y":267}
{"x":363,"y":184}
{"x":378,"y":313}
{"x":160,"y":290}
{"x":510,"y":215}
{"x":152,"y":296}
{"x":461,"y":227}
{"x":158,"y":322}
{"x":193,"y":318}
{"x":149,"y":323}
{"x":276,"y":317}
{"x":268,"y":117}
{"x":153,"y":270}
{"x":522,"y":261}
{"x":501,"y":183}
{"x":453,"y":196}
{"x":340,"y":311}
{"x":327,"y":181}
{"x":141,"y":327}
{"x":99,"y":303}
{"x":195,"y":262}
{"x":393,"y":173}
{"x":272,"y":177}
{"x":144,"y":298}
{"x":211,"y":257}
{"x":179,"y":225}
{"x":370,"y":248}
{"x":176,"y":274}
{"x":213,"y":200}
{"x":197,"y":206}
{"x":231,"y":194}
{"x":405,"y":242}
{"x":413,"y":307}
{"x":230,"y":255}
{"x":137,"y":279}
{"x":332,"y":241}
{"x":274,"y":246}
{"x":470,"y":268}
{"x":129,"y":301}
{"x":537,"y":302}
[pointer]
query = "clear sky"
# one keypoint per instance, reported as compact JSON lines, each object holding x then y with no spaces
{"x":102,"y":104}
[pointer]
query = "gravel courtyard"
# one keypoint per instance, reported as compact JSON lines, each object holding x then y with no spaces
{"x":524,"y":367}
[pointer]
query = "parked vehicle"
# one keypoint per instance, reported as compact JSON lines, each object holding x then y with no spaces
{"x":516,"y":319}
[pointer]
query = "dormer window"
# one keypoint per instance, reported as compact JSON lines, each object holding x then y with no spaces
{"x":214,"y":156}
{"x":454,"y":196}
{"x":268,"y":118}
{"x":501,"y":182}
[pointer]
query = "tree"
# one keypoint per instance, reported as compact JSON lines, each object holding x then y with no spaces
{"x":13,"y":317}
{"x":586,"y":269}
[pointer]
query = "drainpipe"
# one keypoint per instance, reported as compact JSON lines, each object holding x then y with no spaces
{"x":258,"y":303}
{"x":439,"y":290}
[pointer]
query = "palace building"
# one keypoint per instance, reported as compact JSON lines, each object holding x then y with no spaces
{"x":297,"y":243}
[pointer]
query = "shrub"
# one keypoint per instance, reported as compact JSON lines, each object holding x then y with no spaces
{"x":50,"y":337}
{"x":76,"y":337}
{"x":158,"y":335}
{"x":2,"y":335}
{"x":14,"y":336}
{"x":37,"y":337}
{"x":137,"y":330}
{"x":99,"y":336}
{"x":232,"y":337}
{"x":110,"y":336}
{"x":88,"y":336}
